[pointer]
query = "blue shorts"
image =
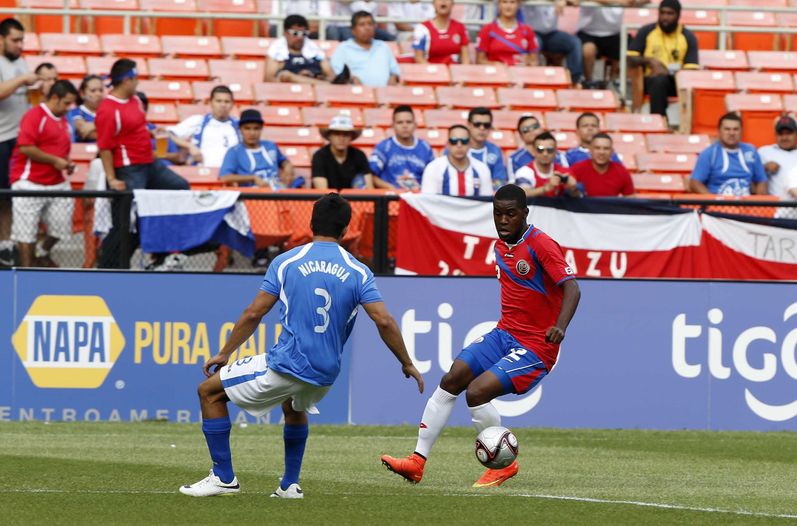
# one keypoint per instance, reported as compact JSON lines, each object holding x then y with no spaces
{"x":518,"y":368}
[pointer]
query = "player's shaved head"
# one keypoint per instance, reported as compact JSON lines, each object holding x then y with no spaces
{"x":331,"y":216}
{"x":511,"y":192}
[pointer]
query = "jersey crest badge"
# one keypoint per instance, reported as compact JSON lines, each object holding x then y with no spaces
{"x":522,"y":267}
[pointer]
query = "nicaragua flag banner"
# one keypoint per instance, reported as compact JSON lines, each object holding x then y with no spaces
{"x":177,"y":220}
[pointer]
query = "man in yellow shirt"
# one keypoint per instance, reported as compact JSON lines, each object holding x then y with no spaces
{"x":663,"y":48}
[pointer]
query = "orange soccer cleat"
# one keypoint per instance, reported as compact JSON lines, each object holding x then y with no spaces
{"x":411,"y":467}
{"x":496,"y":477}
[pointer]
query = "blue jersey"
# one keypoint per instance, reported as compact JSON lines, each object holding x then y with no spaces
{"x":493,"y":157}
{"x":521,"y":157}
{"x":401,"y":166}
{"x":579,"y":153}
{"x":264,"y":162}
{"x":81,"y":112}
{"x":729,"y":172}
{"x":320,"y":287}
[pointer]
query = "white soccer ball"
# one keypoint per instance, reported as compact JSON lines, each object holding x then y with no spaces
{"x":496,"y":447}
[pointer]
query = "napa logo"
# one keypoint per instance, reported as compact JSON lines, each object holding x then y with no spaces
{"x":68,"y":341}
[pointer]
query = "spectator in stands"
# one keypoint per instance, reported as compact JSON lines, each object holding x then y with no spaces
{"x":600,"y":176}
{"x":599,"y":32}
{"x":780,"y":159}
{"x":125,"y":146}
{"x":340,"y":165}
{"x":587,"y":126}
{"x":506,"y":40}
{"x":370,"y":62}
{"x":295,"y":58}
{"x":39,"y":162}
{"x":441,"y":40}
{"x":663,"y":49}
{"x":166,"y":151}
{"x":47,"y":76}
{"x":456,"y":172}
{"x":729,"y":166}
{"x":544,"y":20}
{"x":14,"y":79}
{"x":528,"y":128}
{"x":412,"y":10}
{"x":399,"y":161}
{"x":480,"y":122}
{"x":208,"y":137}
{"x":350,"y":8}
{"x":544,"y":176}
{"x":256,"y":162}
{"x":81,"y":119}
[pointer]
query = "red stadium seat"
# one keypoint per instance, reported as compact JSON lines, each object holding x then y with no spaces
{"x":188,"y":110}
{"x":456,"y":97}
{"x":705,"y":39}
{"x":677,"y":143}
{"x":233,"y":28}
{"x":702,"y":98}
{"x":102,"y":66}
{"x":185,"y":46}
{"x":436,"y":138}
{"x":71,"y":44}
{"x":587,"y":100}
{"x":49,"y":23}
{"x":243,"y":93}
{"x":635,"y":122}
{"x":178,"y":68}
{"x":245,"y":47}
{"x":131,"y":45}
{"x":777,"y":61}
{"x":293,"y":136}
{"x":658,"y":183}
{"x":198,"y":177}
{"x":281,"y":115}
{"x":479,"y":74}
{"x":788,"y":21}
{"x":383,"y":118}
{"x":445,"y":118}
{"x":31,"y":44}
{"x":167,"y":90}
{"x":504,"y":139}
{"x":83,"y":151}
{"x":299,"y":156}
{"x":540,"y":77}
{"x":67,"y":66}
{"x":629,"y":142}
{"x":563,"y":120}
{"x":527,"y":99}
{"x":666,"y":162}
{"x":628,"y":159}
{"x":101,"y":25}
{"x":415,"y":96}
{"x":162,"y":113}
{"x":170,"y":26}
{"x":425,"y":74}
{"x":565,"y":140}
{"x":242,"y":71}
{"x":507,"y":119}
{"x":724,"y":60}
{"x":753,"y":41}
{"x":753,"y":82}
{"x":320,"y":116}
{"x":758,"y":112}
{"x":345,"y":95}
{"x":370,"y":137}
{"x":327,"y":46}
{"x":640,"y":16}
{"x":280,"y":93}
{"x":790,"y":101}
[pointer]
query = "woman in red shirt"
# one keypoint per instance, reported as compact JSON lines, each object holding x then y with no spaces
{"x":506,"y":40}
{"x":441,"y":40}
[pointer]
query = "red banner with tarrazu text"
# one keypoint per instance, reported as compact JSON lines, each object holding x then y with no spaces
{"x":604,"y":238}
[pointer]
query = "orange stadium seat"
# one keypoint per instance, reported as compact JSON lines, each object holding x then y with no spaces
{"x":370,"y":137}
{"x":299,"y":156}
{"x":724,"y":60}
{"x":280,"y":93}
{"x":759,"y":112}
{"x":83,"y":152}
{"x":587,"y":100}
{"x":470,"y":97}
{"x":563,"y":120}
{"x":701,"y":96}
{"x":753,"y":82}
{"x":199,"y":177}
{"x":102,"y":66}
{"x":753,"y":41}
{"x":188,"y":110}
{"x":445,"y":118}
{"x":666,"y":162}
{"x":101,"y":25}
{"x":281,"y":115}
{"x":383,"y":118}
{"x":629,"y":142}
{"x":635,"y":122}
{"x":788,"y":21}
{"x":167,"y":90}
{"x":527,"y":99}
{"x":640,"y":16}
{"x":31,"y":44}
{"x":327,"y":46}
{"x":677,"y":143}
{"x":415,"y":96}
{"x":699,"y":17}
{"x":245,"y":47}
{"x":540,"y":77}
{"x":233,"y":28}
{"x":504,"y":139}
{"x":777,"y":61}
{"x":790,"y":101}
{"x":479,"y":74}
{"x":162,"y":113}
{"x":169,"y":26}
{"x":293,"y":136}
{"x":658,"y":183}
{"x":242,"y":92}
{"x":178,"y":68}
{"x":67,"y":66}
{"x":507,"y":119}
{"x":49,"y":23}
{"x":187,"y":46}
{"x":565,"y":140}
{"x":250,"y":71}
{"x":71,"y":44}
{"x":436,"y":138}
{"x":320,"y":116}
{"x":131,"y":45}
{"x":434,"y":74}
{"x":345,"y":95}
{"x":628,"y":159}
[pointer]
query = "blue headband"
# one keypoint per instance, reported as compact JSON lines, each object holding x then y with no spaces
{"x":124,"y":76}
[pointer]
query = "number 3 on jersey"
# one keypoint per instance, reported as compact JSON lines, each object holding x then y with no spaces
{"x":323,"y":311}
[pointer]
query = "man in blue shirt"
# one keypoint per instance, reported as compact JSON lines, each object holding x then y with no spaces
{"x":256,"y":162}
{"x":399,"y":161}
{"x":370,"y":61}
{"x":480,"y":122}
{"x":320,"y":287}
{"x":528,"y":126}
{"x":729,"y":166}
{"x":587,"y":126}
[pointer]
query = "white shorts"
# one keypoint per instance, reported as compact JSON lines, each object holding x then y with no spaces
{"x":253,"y":387}
{"x":28,"y":212}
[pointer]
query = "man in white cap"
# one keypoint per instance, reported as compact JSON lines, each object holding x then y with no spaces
{"x":339,"y":165}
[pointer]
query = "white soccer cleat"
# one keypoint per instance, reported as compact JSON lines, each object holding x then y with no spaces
{"x":211,"y":486}
{"x":293,"y":492}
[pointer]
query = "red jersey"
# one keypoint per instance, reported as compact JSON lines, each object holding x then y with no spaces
{"x":530,"y":274}
{"x":529,"y":176}
{"x":122,"y":128}
{"x":51,"y":134}
{"x":615,"y":181}
{"x":440,"y":47}
{"x":502,"y":45}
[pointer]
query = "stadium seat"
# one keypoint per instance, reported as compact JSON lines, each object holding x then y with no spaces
{"x":83,"y":151}
{"x":280,"y":93}
{"x":229,"y":27}
{"x":701,"y":96}
{"x":565,"y":140}
{"x":628,"y":159}
{"x":587,"y":100}
{"x":790,"y":101}
{"x":162,"y":113}
{"x":504,"y":139}
{"x":705,"y":39}
{"x":68,"y":66}
{"x":677,"y":143}
{"x":666,"y":162}
{"x":320,"y":116}
{"x":101,"y":25}
{"x":507,"y":119}
{"x":281,"y":115}
{"x":199,"y":177}
{"x":629,"y":142}
{"x":293,"y":136}
{"x":563,"y":120}
{"x":50,"y":23}
{"x":635,"y":122}
{"x":102,"y":66}
{"x":31,"y":44}
{"x":186,"y":46}
{"x":415,"y":96}
{"x":170,"y":26}
{"x":245,"y":48}
{"x":131,"y":45}
{"x":777,"y":61}
{"x":383,"y":117}
{"x":167,"y":90}
{"x":540,"y":77}
{"x":370,"y":137}
{"x":461,"y":97}
{"x":242,"y":71}
{"x":788,"y":21}
{"x":436,"y":138}
{"x":639,"y":16}
{"x":345,"y":95}
{"x":71,"y":44}
{"x":658,"y":183}
{"x":178,"y":68}
{"x":753,"y":82}
{"x":299,"y":156}
{"x":327,"y":46}
{"x":479,"y":75}
{"x":527,"y":99}
{"x":753,"y":41}
{"x":724,"y":60}
{"x":188,"y":110}
{"x":758,"y":112}
{"x":425,"y":74}
{"x":242,"y":92}
{"x":444,"y":119}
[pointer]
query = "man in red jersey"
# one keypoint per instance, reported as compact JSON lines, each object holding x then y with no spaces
{"x":539,"y":296}
{"x":543,"y":176}
{"x":600,"y":176}
{"x":126,"y":151}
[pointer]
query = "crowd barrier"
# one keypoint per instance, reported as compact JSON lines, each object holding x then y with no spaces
{"x":127,"y":346}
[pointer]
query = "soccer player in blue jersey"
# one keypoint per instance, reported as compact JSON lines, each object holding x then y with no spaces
{"x":399,"y":161}
{"x":539,"y":296}
{"x":320,"y":287}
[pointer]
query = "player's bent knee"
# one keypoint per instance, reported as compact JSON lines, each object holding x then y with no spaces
{"x":454,"y":383}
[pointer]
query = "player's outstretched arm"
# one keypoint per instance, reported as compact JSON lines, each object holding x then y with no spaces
{"x":571,"y":294}
{"x":244,"y":328}
{"x":390,"y":334}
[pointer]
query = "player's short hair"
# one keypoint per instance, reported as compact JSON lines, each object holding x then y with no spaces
{"x":404,"y":108}
{"x":730,"y":116}
{"x":221,"y":89}
{"x":545,"y":136}
{"x":586,"y":115}
{"x":511,"y":192}
{"x":144,"y":99}
{"x":61,"y":89}
{"x":603,"y":135}
{"x":44,"y":65}
{"x":295,"y":20}
{"x":8,"y":24}
{"x":480,"y":110}
{"x":358,"y":15}
{"x":458,"y":127}
{"x":331,"y":216}
{"x":120,"y":70}
{"x":524,"y":118}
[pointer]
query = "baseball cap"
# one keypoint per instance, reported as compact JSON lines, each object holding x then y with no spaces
{"x":785,"y":123}
{"x":250,"y":115}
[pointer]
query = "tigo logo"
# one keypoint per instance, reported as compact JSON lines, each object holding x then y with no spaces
{"x":68,"y":341}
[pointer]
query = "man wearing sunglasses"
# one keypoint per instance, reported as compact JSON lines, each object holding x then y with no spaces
{"x":455,"y":172}
{"x":295,"y":58}
{"x":529,"y":129}
{"x":544,"y":176}
{"x":480,"y":122}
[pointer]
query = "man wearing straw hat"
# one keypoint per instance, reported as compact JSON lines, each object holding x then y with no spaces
{"x":339,"y":165}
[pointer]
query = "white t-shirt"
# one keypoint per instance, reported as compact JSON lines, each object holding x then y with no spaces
{"x":600,"y":21}
{"x":787,"y":160}
{"x":278,"y":50}
{"x":788,"y":182}
{"x":13,"y":107}
{"x":217,"y":137}
{"x":542,"y":19}
{"x":439,"y":177}
{"x":410,"y":10}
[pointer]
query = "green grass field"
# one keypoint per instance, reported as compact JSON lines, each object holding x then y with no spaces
{"x":77,"y":473}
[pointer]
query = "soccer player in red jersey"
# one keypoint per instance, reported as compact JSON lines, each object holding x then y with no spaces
{"x":539,"y":295}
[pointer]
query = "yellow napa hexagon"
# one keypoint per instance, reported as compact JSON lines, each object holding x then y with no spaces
{"x":68,"y":341}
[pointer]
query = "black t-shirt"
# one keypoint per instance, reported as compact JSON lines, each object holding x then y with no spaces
{"x":338,"y":175}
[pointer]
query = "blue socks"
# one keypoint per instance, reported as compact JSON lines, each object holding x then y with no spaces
{"x":217,"y":435}
{"x":295,"y":438}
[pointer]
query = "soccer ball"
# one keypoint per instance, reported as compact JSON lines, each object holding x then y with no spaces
{"x":496,"y":447}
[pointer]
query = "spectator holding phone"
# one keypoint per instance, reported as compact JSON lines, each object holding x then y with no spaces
{"x":544,"y":177}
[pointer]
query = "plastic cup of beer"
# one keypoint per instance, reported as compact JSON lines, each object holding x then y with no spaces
{"x":34,"y":96}
{"x":161,"y":144}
